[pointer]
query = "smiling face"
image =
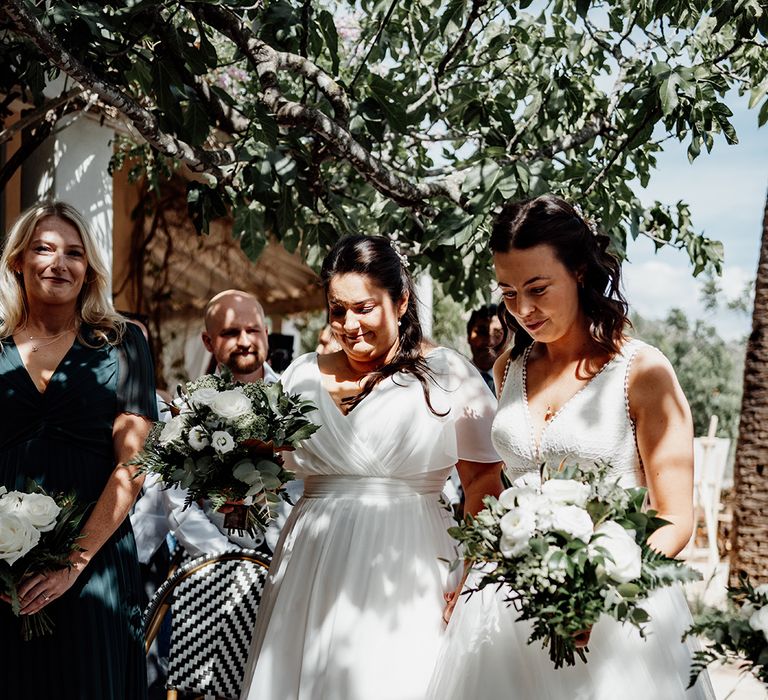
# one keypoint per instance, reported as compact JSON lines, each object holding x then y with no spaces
{"x":54,"y":263}
{"x":236,"y":334}
{"x":363,"y":318}
{"x":539,"y":291}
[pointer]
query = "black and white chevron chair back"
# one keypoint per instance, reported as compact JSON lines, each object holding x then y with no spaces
{"x":215,"y":601}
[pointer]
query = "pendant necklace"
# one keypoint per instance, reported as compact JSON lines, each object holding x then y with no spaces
{"x":549,"y":414}
{"x":50,"y":338}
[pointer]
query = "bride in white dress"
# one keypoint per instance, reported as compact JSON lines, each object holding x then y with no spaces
{"x":574,"y":387}
{"x":352,"y":608}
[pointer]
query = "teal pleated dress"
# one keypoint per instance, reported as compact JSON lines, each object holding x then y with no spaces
{"x":62,"y":439}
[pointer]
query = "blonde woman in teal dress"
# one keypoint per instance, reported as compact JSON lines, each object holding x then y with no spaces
{"x":76,"y":403}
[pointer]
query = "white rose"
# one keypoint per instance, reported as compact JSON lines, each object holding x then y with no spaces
{"x":762,"y":589}
{"x":39,"y":510}
{"x":527,"y":480}
{"x":172,"y":430}
{"x":222,"y":442}
{"x":198,"y":439}
{"x":204,"y":396}
{"x":567,"y":491}
{"x":517,"y":527}
{"x":758,"y":621}
{"x":625,"y":562}
{"x":17,"y":537}
{"x":573,"y":521}
{"x":231,"y":404}
{"x":510,"y":498}
{"x":10,"y":501}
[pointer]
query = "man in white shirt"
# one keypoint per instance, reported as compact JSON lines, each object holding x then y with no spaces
{"x":236,"y":335}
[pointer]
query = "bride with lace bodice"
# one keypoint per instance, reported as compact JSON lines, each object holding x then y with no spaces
{"x":574,"y":387}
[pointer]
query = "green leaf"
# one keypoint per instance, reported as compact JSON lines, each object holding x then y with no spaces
{"x":140,"y":73}
{"x":762,"y":117}
{"x":452,"y":14}
{"x":207,"y":50}
{"x":164,"y":80}
{"x":668,"y":94}
{"x":757,"y":93}
{"x":248,"y":228}
{"x":328,"y":27}
{"x":196,"y":125}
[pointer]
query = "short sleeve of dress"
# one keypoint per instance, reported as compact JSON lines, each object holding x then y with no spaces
{"x":472,"y":405}
{"x":135,"y":375}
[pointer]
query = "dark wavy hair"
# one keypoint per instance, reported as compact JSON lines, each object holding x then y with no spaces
{"x":550,"y":220}
{"x":376,"y":258}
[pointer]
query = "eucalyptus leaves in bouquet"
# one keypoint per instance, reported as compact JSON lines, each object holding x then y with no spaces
{"x":38,"y":533}
{"x":567,"y":549}
{"x":224,"y":444}
{"x":737,"y":634}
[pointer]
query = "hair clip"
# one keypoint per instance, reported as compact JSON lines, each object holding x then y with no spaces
{"x":591,"y":224}
{"x":401,"y":256}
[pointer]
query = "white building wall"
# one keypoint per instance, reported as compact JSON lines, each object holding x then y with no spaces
{"x":73,"y":166}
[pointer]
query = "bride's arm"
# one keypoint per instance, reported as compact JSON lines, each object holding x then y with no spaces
{"x":478,"y":479}
{"x":664,"y":430}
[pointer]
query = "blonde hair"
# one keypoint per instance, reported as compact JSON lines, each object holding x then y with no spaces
{"x":94,"y":305}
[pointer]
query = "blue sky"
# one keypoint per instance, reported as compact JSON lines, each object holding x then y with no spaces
{"x":726,"y":190}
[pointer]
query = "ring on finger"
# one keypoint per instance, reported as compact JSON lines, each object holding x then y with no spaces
{"x":46,"y":597}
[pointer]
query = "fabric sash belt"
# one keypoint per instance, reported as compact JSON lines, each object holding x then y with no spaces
{"x":375,"y":486}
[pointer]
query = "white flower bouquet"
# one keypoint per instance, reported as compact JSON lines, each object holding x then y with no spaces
{"x":224,"y":444}
{"x":38,"y":532}
{"x":738,"y":633}
{"x":568,"y":551}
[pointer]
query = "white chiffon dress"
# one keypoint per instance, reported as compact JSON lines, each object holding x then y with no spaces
{"x":485,"y":654}
{"x":353,"y":603}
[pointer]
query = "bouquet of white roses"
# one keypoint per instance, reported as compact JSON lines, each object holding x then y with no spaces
{"x":739,"y":633}
{"x":567,"y":551}
{"x":224,"y":445}
{"x":37,"y":533}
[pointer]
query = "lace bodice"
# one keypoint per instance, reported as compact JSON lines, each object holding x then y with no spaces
{"x":593,"y":425}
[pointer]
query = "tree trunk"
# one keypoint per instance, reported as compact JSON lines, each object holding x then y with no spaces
{"x":750,"y":506}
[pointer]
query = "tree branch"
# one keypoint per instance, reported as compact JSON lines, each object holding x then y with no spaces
{"x":266,"y":61}
{"x":39,"y":114}
{"x":375,"y":41}
{"x":474,"y":13}
{"x":620,"y":149}
{"x":198,"y":160}
{"x":597,"y":127}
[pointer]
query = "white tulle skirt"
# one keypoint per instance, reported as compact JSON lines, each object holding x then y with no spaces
{"x":352,"y":609}
{"x":485,"y":656}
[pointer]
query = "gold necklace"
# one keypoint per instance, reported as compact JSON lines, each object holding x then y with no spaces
{"x":50,"y":338}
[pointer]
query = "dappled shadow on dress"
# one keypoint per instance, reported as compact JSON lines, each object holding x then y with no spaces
{"x":62,"y":439}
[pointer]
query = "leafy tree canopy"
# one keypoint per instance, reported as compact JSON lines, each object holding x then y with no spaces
{"x":311,"y":118}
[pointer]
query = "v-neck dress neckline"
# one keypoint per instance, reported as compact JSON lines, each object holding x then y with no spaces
{"x":56,"y":369}
{"x":536,"y":441}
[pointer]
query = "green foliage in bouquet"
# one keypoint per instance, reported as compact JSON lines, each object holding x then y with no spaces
{"x":738,"y":634}
{"x":567,"y":551}
{"x":225,"y":442}
{"x":38,"y":533}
